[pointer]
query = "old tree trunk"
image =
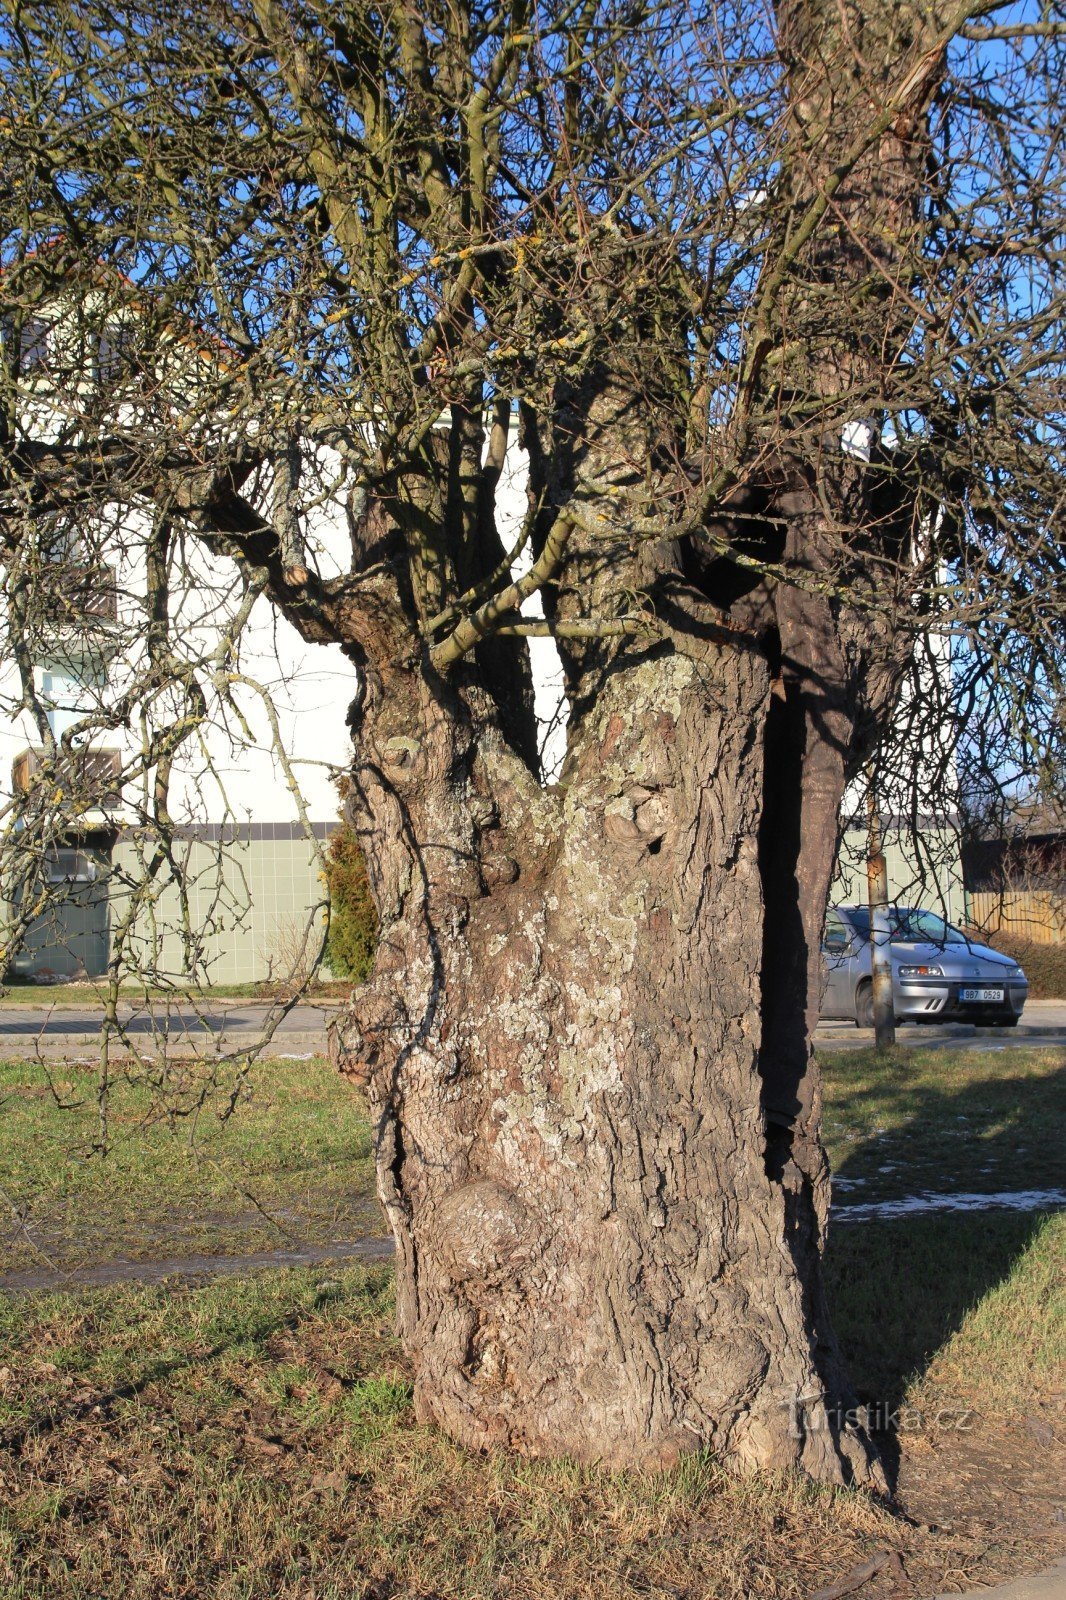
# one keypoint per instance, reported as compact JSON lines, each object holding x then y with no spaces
{"x":587,"y":1039}
{"x":600,"y":1251}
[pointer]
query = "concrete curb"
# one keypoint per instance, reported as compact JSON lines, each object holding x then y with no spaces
{"x":1022,"y":1031}
{"x":292,"y":1043}
{"x":959,"y":1031}
{"x":1017,"y":1033}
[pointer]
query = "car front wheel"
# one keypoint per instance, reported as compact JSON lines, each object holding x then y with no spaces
{"x":864,"y":1006}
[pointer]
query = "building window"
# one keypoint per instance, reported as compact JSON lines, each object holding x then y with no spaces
{"x":59,"y":539}
{"x":117,"y":354}
{"x":69,"y":691}
{"x":86,"y":596}
{"x":87,"y":779}
{"x":33,"y":342}
{"x":69,"y":866}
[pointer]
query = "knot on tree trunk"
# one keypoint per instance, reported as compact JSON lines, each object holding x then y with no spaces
{"x":641,"y":818}
{"x":368,"y":1037}
{"x":498,"y":869}
{"x":484,"y":1233}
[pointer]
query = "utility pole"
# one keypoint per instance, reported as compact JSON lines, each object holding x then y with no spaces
{"x":880,"y":931}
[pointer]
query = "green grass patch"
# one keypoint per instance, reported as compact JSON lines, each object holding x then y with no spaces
{"x":195,"y":1165}
{"x":93,"y":994}
{"x":902,"y":1121}
{"x":978,"y":1293}
{"x":988,"y":1287}
{"x":1010,"y":1347}
{"x":255,"y":1437}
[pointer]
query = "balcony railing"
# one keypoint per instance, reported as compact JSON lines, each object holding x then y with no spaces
{"x":81,"y":597}
{"x":84,"y":780}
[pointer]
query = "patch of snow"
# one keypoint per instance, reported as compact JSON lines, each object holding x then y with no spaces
{"x":913,"y":1205}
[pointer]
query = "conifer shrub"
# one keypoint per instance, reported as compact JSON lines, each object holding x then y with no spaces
{"x":353,"y":922}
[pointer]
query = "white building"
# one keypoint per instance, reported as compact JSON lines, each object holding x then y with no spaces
{"x":252,"y":795}
{"x":247,"y":841}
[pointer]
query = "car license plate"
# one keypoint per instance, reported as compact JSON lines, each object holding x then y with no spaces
{"x":986,"y":996}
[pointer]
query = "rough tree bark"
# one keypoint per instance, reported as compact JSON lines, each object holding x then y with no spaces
{"x":593,"y":1256}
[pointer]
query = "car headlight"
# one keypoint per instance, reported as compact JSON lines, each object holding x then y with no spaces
{"x":1015,"y":972}
{"x":921,"y":972}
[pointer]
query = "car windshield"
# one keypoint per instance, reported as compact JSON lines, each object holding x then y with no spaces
{"x":910,"y":926}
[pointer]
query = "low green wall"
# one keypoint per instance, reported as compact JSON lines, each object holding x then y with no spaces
{"x":929,"y":876}
{"x":249,"y":902}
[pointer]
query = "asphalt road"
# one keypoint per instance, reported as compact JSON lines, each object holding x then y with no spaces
{"x":226,"y":1026}
{"x":229,"y":1025}
{"x":1043,"y":1022}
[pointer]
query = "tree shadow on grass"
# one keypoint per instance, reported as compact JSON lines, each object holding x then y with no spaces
{"x":99,"y":1402}
{"x":255,"y":1326}
{"x":899,"y":1287}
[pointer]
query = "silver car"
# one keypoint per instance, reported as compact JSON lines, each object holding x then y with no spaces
{"x":937,"y":973}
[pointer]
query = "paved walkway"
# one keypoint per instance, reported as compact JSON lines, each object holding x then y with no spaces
{"x":124,"y":1270}
{"x":68,"y":1029}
